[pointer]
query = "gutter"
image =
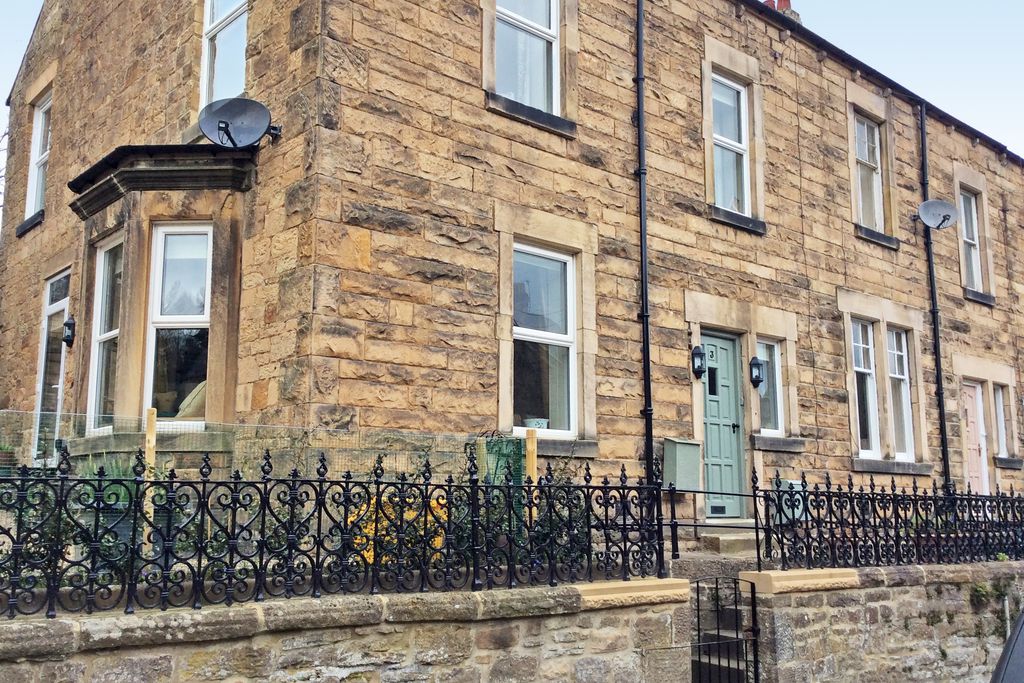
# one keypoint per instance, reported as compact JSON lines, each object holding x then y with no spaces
{"x":645,"y":300}
{"x":809,"y":36}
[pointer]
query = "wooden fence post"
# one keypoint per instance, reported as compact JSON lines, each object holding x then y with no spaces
{"x":531,"y":454}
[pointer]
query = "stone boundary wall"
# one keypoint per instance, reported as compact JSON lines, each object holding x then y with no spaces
{"x":629,"y":631}
{"x":920,"y":623}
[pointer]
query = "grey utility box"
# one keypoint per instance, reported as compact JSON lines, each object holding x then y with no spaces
{"x":682,"y":463}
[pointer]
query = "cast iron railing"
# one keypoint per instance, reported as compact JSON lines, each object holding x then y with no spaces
{"x":831,"y":525}
{"x":71,"y":544}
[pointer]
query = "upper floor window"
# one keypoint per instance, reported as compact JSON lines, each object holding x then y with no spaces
{"x":771,"y":388}
{"x":526,"y":53}
{"x":224,"y":41}
{"x":39,"y":158}
{"x":731,"y":145}
{"x":544,"y":341}
{"x":971,"y":242}
{"x":869,"y":200}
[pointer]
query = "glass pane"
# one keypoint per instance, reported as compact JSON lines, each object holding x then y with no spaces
{"x":106,"y":374}
{"x":523,"y":67}
{"x":972,"y":266}
{"x":40,"y":198}
{"x":727,"y":112}
{"x":227,"y":60}
{"x":50,"y":387}
{"x":729,"y":180}
{"x":862,"y":139}
{"x":899,"y":413}
{"x":183,"y":287}
{"x":537,"y":11}
{"x":540,"y":293}
{"x":969,"y":210}
{"x":540,"y":392}
{"x":59,"y":288}
{"x":179,"y":373}
{"x":865,"y":399}
{"x":769,"y":389}
{"x":110,"y":303}
{"x":44,"y":131}
{"x":221,"y":8}
{"x":868,"y":200}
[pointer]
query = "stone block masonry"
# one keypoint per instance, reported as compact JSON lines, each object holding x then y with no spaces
{"x":934,"y":623}
{"x":593,"y":633}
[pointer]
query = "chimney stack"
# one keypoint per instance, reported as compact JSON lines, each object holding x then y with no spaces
{"x":786,"y":7}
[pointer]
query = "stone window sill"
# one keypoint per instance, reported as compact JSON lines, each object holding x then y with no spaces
{"x":916,"y":469}
{"x":979,"y":297}
{"x":1010,"y":463}
{"x":778,"y":444}
{"x":737,"y":220}
{"x":32,"y":221}
{"x":530,"y":115}
{"x":876,"y":237}
{"x":567,"y":448}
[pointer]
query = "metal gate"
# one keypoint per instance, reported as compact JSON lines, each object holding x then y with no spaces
{"x":725,"y":631}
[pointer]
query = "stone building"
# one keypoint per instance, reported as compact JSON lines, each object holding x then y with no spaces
{"x":447,"y":236}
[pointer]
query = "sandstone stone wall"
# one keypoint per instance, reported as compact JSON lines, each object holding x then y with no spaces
{"x":937,"y":623}
{"x":369,"y":261}
{"x":590,"y":634}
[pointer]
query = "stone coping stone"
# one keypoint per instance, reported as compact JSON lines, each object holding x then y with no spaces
{"x":39,"y":638}
{"x":778,"y":582}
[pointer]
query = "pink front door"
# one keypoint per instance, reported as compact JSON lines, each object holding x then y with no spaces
{"x":975,"y":470}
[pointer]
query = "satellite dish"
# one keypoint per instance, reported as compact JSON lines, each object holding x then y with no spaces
{"x":938,"y":214}
{"x":236,"y":123}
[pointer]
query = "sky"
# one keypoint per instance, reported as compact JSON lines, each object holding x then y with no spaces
{"x":963,"y":56}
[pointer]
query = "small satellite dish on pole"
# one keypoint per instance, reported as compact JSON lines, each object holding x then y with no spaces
{"x":237,"y":123}
{"x":938,"y":214}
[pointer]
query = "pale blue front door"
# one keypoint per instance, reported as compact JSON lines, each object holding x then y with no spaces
{"x":723,"y":427}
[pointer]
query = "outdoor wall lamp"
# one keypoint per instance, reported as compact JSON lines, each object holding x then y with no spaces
{"x":756,"y":372}
{"x":69,"y":331}
{"x":698,"y":362}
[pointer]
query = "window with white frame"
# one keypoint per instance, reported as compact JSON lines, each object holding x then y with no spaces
{"x":1000,"y":396}
{"x":899,"y":389}
{"x":224,"y":41}
{"x":179,"y":322}
{"x":869,"y":200}
{"x":544,"y":341}
{"x":866,"y":399}
{"x":39,"y":159}
{"x":971,"y":243}
{"x":771,"y":388}
{"x":526,"y":53}
{"x":105,"y":333}
{"x":731,"y":144}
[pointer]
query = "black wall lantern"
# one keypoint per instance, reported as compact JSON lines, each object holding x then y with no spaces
{"x":698,"y":361}
{"x":756,"y":371}
{"x":69,"y":331}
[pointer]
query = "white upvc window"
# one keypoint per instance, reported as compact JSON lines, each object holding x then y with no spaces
{"x":106,"y":330}
{"x":730,"y":123}
{"x":178,"y":335}
{"x":526,"y":47}
{"x":225,"y":35}
{"x":39,"y":158}
{"x":544,"y":376}
{"x":52,"y":355}
{"x":899,"y":389}
{"x":866,"y":399}
{"x":1000,"y":394}
{"x":771,"y":389}
{"x":869,"y":198}
{"x":971,"y":244}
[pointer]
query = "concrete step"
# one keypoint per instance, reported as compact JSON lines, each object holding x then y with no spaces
{"x":734,"y":543}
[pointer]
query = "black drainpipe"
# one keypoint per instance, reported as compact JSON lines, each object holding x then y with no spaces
{"x":645,"y":303}
{"x":940,"y":391}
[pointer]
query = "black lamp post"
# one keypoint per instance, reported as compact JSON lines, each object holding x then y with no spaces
{"x":936,"y":214}
{"x":698,"y":362}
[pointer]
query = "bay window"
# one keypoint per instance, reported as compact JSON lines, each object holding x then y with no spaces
{"x":544,"y":341}
{"x":526,"y":47}
{"x":224,"y":43}
{"x":105,"y":333}
{"x":179,"y":325}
